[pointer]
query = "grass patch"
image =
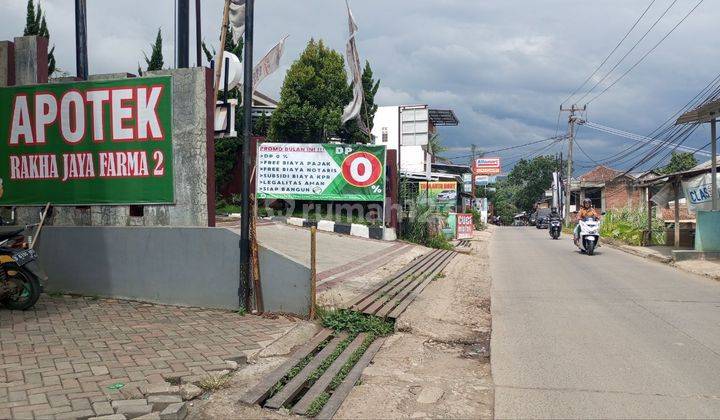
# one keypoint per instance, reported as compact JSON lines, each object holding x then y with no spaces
{"x":347,"y":367}
{"x":212,"y":383}
{"x":355,"y":322}
{"x":295,"y":370}
{"x":317,"y":373}
{"x":318,"y":404}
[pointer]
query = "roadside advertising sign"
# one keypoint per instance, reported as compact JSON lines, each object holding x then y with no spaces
{"x":84,"y":143}
{"x":487,"y":166}
{"x":441,"y":195}
{"x":698,"y":192}
{"x":326,"y":172}
{"x":465,"y":227}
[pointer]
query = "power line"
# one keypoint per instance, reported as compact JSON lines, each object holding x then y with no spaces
{"x":510,"y":147}
{"x":630,"y":51}
{"x":647,"y":53}
{"x":609,"y":55}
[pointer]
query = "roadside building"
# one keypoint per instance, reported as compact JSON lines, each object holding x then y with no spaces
{"x":610,"y":189}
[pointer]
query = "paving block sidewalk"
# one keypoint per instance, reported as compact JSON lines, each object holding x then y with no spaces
{"x":62,"y":358}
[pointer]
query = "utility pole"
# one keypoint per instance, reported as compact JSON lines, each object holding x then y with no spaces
{"x":183,"y":25}
{"x":571,"y":138}
{"x":247,"y":155}
{"x":472,"y":168}
{"x":81,"y":55}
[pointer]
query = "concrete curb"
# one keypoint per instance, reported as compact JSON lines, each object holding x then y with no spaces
{"x":630,"y":250}
{"x":354,"y":229}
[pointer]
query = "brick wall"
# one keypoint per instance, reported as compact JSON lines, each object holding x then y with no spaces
{"x":621,"y":193}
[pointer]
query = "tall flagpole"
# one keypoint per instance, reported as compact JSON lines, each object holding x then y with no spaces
{"x":246,"y":157}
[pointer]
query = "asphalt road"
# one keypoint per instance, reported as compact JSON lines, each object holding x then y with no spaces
{"x":607,"y":336}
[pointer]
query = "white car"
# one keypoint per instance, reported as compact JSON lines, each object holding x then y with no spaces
{"x":447,"y":195}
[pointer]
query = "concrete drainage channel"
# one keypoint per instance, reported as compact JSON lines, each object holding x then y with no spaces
{"x":316,"y":378}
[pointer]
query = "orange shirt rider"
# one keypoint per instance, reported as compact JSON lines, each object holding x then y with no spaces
{"x":587,"y":212}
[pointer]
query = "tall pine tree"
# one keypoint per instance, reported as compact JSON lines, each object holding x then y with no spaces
{"x":36,"y":24}
{"x":155,"y":62}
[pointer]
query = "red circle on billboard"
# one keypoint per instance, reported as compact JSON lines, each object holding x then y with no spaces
{"x":361,"y":169}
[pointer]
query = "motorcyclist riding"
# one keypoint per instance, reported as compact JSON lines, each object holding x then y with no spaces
{"x":554,"y":215}
{"x":586,"y":211}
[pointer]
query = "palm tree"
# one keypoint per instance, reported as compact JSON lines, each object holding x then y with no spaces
{"x":434,"y":146}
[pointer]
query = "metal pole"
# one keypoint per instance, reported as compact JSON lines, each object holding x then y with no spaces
{"x":183,"y":45}
{"x":568,"y":190}
{"x":247,"y":132}
{"x":713,"y":133}
{"x":198,"y":34}
{"x":81,"y":55}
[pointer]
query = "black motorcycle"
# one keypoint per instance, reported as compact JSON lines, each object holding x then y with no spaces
{"x":555,"y":228}
{"x":20,"y":274}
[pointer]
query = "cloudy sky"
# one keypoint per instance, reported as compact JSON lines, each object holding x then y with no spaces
{"x":503,"y":66}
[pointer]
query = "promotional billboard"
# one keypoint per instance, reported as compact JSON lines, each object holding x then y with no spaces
{"x":84,"y":143}
{"x":698,"y":191}
{"x":487,"y":166}
{"x":328,"y":172}
{"x":465,"y":226}
{"x":441,"y":195}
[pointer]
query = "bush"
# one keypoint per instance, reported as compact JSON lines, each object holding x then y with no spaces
{"x":477,"y":220}
{"x":628,"y":225}
{"x":418,"y":228}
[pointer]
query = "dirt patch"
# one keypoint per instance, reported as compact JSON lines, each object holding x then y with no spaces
{"x":437,"y":364}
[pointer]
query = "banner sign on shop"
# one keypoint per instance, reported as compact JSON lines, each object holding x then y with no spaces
{"x":465,"y":226}
{"x":698,"y":192}
{"x":328,"y":172}
{"x":84,"y":143}
{"x":486,"y":166}
{"x":441,"y":195}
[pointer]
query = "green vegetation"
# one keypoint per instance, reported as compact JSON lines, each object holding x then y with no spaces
{"x":355,"y":322}
{"x":628,"y":225}
{"x":318,"y":404}
{"x":680,"y":161}
{"x":312,"y":98}
{"x":477,"y":220}
{"x":418,"y":229}
{"x":36,"y":24}
{"x":524,"y":185}
{"x":155,"y":61}
{"x":214,"y":383}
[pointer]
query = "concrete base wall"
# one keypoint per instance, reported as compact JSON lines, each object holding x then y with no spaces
{"x":177,"y":266}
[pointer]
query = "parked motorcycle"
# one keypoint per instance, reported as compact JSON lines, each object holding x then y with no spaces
{"x":555,"y":228}
{"x":21,"y":277}
{"x":589,"y":235}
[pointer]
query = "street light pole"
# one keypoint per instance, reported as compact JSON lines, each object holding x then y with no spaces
{"x":713,"y":171}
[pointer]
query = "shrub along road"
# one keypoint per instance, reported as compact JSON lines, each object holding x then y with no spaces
{"x":610,"y":335}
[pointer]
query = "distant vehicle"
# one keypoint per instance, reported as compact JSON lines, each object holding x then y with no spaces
{"x":555,"y":228}
{"x":447,"y":195}
{"x":542,"y":218}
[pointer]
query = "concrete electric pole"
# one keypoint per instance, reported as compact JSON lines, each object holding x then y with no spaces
{"x":472,"y":178}
{"x":571,"y":138}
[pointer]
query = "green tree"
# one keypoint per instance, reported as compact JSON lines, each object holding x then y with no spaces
{"x":435,"y":146}
{"x":312,"y":98}
{"x":155,"y":62}
{"x":680,"y":161}
{"x":36,"y":24}
{"x":533,"y":177}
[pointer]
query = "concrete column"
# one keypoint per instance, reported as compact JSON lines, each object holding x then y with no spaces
{"x":7,"y":63}
{"x":31,"y":67}
{"x":31,"y":60}
{"x":676,"y":188}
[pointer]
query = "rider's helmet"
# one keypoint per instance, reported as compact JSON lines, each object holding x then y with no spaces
{"x":587,"y":203}
{"x":553,"y":210}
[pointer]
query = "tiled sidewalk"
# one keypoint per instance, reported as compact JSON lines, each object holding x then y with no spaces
{"x":60,"y":359}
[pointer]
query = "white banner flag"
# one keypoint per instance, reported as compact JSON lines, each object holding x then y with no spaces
{"x":698,"y":192}
{"x":269,"y":63}
{"x":352,"y":110}
{"x":237,"y":19}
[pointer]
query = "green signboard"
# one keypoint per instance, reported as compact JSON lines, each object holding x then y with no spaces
{"x":438,"y":195}
{"x":330,"y":172}
{"x":84,"y":143}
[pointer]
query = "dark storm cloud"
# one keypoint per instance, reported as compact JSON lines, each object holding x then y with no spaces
{"x":503,"y":66}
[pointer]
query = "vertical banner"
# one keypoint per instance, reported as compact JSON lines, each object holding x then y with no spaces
{"x":465,"y":226}
{"x":85,"y":143}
